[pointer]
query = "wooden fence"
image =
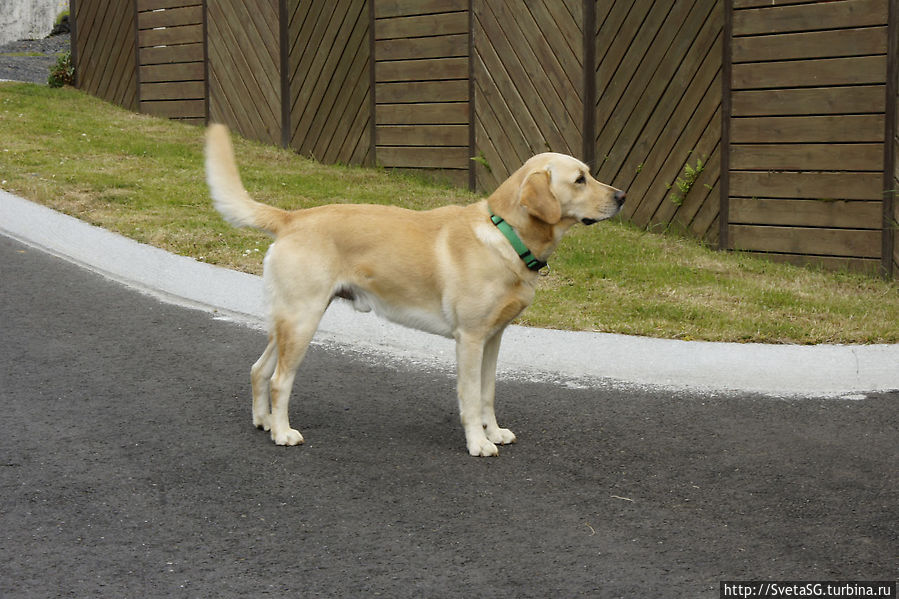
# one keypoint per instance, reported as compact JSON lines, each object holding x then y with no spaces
{"x":809,"y":167}
{"x":764,"y":126}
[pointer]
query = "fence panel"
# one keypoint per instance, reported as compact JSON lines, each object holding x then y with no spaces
{"x":421,"y":86}
{"x":243,"y":47}
{"x":658,"y":92}
{"x":104,"y":50}
{"x":528,"y":81}
{"x":171,"y":59}
{"x":806,"y":144}
{"x":330,"y":81}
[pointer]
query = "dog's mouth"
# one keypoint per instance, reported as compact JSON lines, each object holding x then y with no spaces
{"x":589,"y":221}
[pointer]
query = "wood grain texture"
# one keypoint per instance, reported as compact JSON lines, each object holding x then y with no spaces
{"x":329,"y":62}
{"x":808,"y":131}
{"x":528,"y":83}
{"x":105,"y":48}
{"x":244,"y":67}
{"x":422,"y":87}
{"x":170,"y":57}
{"x":658,"y":107}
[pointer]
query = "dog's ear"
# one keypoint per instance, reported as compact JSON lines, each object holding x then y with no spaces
{"x":539,"y":200}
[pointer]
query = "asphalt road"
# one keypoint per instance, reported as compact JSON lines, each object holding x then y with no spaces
{"x":129,"y":468}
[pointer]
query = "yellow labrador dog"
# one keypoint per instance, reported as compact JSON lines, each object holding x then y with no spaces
{"x":464,"y":272}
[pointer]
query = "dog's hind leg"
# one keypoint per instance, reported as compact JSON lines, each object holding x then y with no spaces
{"x":500,"y":436}
{"x":293,"y":334}
{"x":260,"y":379}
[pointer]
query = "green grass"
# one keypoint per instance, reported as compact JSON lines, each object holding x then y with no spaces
{"x":143,"y":177}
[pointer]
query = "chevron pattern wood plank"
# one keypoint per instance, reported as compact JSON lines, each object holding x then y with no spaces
{"x":244,"y":67}
{"x":528,"y":83}
{"x":658,"y":108}
{"x":104,"y":50}
{"x":329,"y":75}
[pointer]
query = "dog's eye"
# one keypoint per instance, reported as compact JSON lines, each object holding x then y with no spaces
{"x":580,"y":180}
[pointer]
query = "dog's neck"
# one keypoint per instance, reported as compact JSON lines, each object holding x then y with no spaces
{"x":540,"y":237}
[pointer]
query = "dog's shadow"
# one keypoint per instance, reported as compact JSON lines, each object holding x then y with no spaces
{"x":374,"y":402}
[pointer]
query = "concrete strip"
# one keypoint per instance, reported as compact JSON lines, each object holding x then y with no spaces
{"x":575,"y":357}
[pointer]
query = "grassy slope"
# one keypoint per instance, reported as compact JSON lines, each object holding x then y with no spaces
{"x":143,"y":178}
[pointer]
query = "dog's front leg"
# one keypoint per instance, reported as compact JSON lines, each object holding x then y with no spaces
{"x":500,"y":436}
{"x":469,"y":362}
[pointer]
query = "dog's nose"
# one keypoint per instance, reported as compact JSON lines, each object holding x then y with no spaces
{"x":620,"y":196}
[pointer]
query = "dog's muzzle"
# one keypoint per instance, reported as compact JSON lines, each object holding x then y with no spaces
{"x":619,"y":198}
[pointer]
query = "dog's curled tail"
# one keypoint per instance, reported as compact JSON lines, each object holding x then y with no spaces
{"x":228,"y":194}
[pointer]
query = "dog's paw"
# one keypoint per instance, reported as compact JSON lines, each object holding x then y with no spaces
{"x":262,"y":421}
{"x":482,"y":448}
{"x":501,"y":436}
{"x":289,"y":437}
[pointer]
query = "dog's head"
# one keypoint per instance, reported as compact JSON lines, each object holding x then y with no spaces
{"x":556,"y":187}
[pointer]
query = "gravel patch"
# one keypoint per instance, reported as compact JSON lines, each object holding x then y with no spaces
{"x":31,"y":60}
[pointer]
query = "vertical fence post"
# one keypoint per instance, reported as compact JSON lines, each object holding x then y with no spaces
{"x":724,"y":177}
{"x":136,"y":10}
{"x":205,"y":65}
{"x":371,"y":83}
{"x":889,"y":150}
{"x":472,"y":115}
{"x":285,"y":75}
{"x":588,"y":131}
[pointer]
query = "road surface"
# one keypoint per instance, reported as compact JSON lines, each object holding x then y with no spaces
{"x":129,"y":468}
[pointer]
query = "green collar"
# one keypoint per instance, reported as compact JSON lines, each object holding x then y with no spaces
{"x":523,"y":252}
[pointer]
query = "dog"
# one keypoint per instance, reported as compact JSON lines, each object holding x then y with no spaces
{"x":463,"y":272}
